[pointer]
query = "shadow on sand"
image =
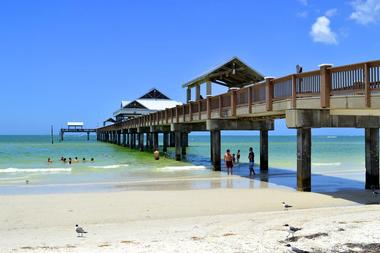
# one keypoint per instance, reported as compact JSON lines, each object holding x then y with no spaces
{"x":334,"y":186}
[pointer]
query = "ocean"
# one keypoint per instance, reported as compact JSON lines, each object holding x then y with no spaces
{"x":337,"y":163}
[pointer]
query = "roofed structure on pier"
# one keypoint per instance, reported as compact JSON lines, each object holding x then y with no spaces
{"x":234,"y":73}
{"x":152,"y":101}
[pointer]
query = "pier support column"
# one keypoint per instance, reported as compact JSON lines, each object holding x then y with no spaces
{"x":372,"y":158}
{"x":88,"y":136}
{"x":118,"y":140}
{"x":184,"y":140}
{"x":165,"y":142}
{"x":304,"y":159}
{"x":215,"y":149}
{"x":124,"y":143}
{"x":141,"y":141}
{"x":133,"y":143}
{"x":155,"y":140}
{"x":264,"y":150}
{"x":178,"y":146}
{"x":172,"y":139}
{"x":61,"y":135}
{"x":211,"y":151}
{"x":148,"y":140}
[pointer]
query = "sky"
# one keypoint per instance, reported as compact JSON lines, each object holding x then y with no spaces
{"x":76,"y":60}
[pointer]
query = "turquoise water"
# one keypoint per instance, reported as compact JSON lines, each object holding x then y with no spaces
{"x":337,"y":162}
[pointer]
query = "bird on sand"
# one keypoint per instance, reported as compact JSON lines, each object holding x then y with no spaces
{"x":286,"y":206}
{"x":291,"y":230}
{"x":293,"y":249}
{"x":80,"y":231}
{"x":374,"y":192}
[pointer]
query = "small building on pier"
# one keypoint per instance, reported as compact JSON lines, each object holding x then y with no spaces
{"x":152,"y":101}
{"x":233,"y":74}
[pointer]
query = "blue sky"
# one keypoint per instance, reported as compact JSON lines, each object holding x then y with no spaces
{"x":75,"y":60}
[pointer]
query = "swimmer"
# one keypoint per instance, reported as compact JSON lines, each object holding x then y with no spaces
{"x":92,"y":159}
{"x":49,"y":160}
{"x":76,"y":159}
{"x":84,"y":159}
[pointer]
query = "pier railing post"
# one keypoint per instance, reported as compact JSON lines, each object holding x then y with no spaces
{"x":304,"y":159}
{"x":208,"y":105}
{"x":233,"y":101}
{"x":188,"y":95}
{"x":325,"y":88}
{"x":269,"y":93}
{"x":372,"y":158}
{"x":367,"y":85}
{"x":294,"y":91}
{"x":250,"y":99}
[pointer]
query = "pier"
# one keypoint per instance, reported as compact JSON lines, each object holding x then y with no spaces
{"x":329,"y":97}
{"x":76,"y":127}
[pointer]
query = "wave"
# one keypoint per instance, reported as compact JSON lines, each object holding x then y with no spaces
{"x":327,"y":164}
{"x":332,"y":137}
{"x":33,"y":170}
{"x":182,"y":168}
{"x":113,"y":166}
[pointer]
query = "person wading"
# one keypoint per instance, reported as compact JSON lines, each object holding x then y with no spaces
{"x":228,"y":161}
{"x":251,"y":159}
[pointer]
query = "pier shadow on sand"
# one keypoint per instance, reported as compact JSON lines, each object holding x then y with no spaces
{"x":334,"y":186}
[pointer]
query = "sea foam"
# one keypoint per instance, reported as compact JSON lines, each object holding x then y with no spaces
{"x":113,"y":166}
{"x":327,"y":164}
{"x":182,"y":168}
{"x":34,"y":170}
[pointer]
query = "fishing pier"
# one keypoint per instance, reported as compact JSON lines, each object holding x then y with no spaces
{"x":329,"y":97}
{"x":75,"y":127}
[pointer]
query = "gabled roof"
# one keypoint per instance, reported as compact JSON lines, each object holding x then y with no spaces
{"x":154,"y":94}
{"x":124,"y":103}
{"x":233,"y":73}
{"x":110,"y":120}
{"x":158,"y":104}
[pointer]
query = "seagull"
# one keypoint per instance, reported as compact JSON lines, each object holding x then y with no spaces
{"x":374,"y":193}
{"x":80,"y":231}
{"x":286,"y":206}
{"x":295,"y":250}
{"x":291,"y":230}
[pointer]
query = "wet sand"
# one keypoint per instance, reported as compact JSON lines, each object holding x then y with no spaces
{"x":214,"y":220}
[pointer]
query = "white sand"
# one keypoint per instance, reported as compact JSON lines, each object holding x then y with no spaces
{"x":220,"y":220}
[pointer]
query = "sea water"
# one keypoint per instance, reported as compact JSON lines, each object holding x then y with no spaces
{"x":337,"y":163}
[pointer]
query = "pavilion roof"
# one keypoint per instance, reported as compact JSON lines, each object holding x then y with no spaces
{"x":233,"y":73}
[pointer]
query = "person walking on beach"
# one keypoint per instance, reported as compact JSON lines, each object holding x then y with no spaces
{"x":238,"y":156}
{"x":251,"y":159}
{"x":228,"y":161}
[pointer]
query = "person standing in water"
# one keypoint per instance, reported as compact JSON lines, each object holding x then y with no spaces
{"x":238,"y":156}
{"x":228,"y":161}
{"x":251,"y":159}
{"x":156,"y":154}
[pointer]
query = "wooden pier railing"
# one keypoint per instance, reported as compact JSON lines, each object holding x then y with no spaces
{"x":361,"y":79}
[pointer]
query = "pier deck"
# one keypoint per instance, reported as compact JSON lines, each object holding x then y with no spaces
{"x":344,"y":96}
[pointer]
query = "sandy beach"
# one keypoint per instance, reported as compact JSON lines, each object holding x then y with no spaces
{"x":216,"y":220}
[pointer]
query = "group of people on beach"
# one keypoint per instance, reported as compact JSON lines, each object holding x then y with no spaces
{"x":232,"y":159}
{"x":70,"y":161}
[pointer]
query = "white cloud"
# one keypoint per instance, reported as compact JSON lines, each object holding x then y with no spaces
{"x":304,"y":2}
{"x":365,"y":12}
{"x":331,"y":12}
{"x":302,"y":14}
{"x":321,"y":31}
